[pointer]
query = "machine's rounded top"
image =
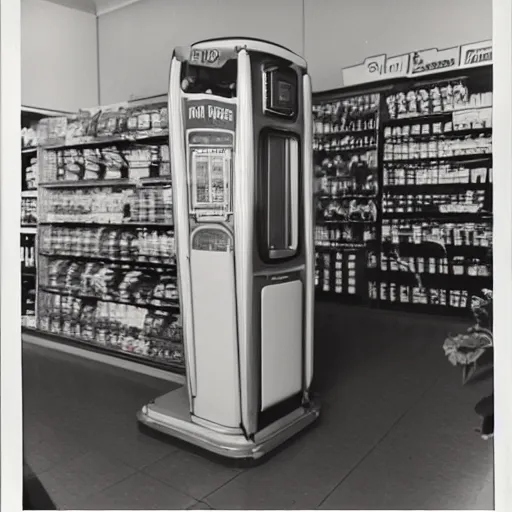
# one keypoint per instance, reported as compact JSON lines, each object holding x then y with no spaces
{"x":249,"y":43}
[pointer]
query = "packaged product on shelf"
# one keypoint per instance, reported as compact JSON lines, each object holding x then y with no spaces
{"x":43,"y":131}
{"x":49,"y":172}
{"x":92,"y":125}
{"x":107,"y":122}
{"x":88,"y":322}
{"x":94,"y":167}
{"x":165,"y":165}
{"x":173,"y":329}
{"x":460,"y":96}
{"x":55,"y":270}
{"x":138,"y":162}
{"x":77,"y":126}
{"x":436,"y":100}
{"x":29,"y":136}
{"x":157,"y":119}
{"x":73,"y":277}
{"x":102,"y":323}
{"x":144,"y":120}
{"x":132,"y":121}
{"x":31,"y":174}
{"x":115,"y":164}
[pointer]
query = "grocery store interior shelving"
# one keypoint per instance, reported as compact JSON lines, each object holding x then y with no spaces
{"x":106,"y":254}
{"x":405,"y":208}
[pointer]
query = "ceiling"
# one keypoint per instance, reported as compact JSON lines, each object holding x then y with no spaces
{"x":97,"y":7}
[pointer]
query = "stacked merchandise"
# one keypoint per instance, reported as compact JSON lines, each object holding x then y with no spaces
{"x":28,"y":211}
{"x":345,"y":149}
{"x":28,"y":276}
{"x":106,"y":252}
{"x":436,"y":195}
{"x":28,"y":220}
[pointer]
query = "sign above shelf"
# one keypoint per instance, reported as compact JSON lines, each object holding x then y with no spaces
{"x":418,"y":63}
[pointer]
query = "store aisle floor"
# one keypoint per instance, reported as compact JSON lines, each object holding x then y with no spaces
{"x":396,"y":432}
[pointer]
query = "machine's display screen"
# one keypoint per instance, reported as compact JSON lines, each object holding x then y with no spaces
{"x":284,"y":92}
{"x":210,"y":168}
{"x":281,"y":90}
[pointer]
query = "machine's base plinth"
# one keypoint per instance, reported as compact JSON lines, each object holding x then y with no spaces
{"x":169,"y":414}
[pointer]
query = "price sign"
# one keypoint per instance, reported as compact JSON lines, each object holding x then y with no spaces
{"x":476,"y":54}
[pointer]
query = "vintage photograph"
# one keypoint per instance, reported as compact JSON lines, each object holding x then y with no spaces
{"x":256,"y":245}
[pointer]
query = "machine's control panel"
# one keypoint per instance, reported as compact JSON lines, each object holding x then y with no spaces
{"x":280,"y":89}
{"x":210,"y":147}
{"x":210,"y":172}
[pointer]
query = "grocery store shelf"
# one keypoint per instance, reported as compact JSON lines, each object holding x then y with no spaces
{"x":125,"y":261}
{"x":338,"y":245}
{"x":121,"y":182}
{"x":29,"y":193}
{"x":439,"y":217}
{"x":109,"y":141}
{"x":483,"y":157}
{"x":28,"y":230}
{"x":172,"y":305}
{"x":340,"y":197}
{"x":438,"y":280}
{"x":419,"y":249}
{"x":417,"y":119}
{"x":320,"y":222}
{"x":171,"y":373}
{"x":468,"y":132}
{"x":342,"y":150}
{"x":347,"y":133}
{"x":437,"y":188}
{"x":109,"y":224}
{"x":88,"y":183}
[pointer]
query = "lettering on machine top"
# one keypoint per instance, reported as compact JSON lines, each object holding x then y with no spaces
{"x":210,"y":114}
{"x":210,"y":57}
{"x":206,"y":57}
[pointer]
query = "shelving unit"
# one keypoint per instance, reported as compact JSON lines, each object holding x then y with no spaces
{"x":28,"y":220}
{"x":107,"y":277}
{"x":346,"y":161}
{"x":432,"y":195}
{"x":437,"y":191}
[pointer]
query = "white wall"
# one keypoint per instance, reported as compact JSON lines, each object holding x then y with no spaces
{"x":342,"y":33}
{"x":58,"y":57}
{"x":136,"y":42}
{"x":59,"y":45}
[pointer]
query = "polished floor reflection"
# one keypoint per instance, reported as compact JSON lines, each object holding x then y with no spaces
{"x":397,"y":430}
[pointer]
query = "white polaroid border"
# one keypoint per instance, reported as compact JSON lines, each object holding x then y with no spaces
{"x":11,"y":446}
{"x":502,"y":251}
{"x":10,"y":147}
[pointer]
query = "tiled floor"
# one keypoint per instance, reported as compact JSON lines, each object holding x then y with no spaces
{"x":396,"y":432}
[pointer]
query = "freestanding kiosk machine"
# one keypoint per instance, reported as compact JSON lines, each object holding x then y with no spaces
{"x":240,"y":119}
